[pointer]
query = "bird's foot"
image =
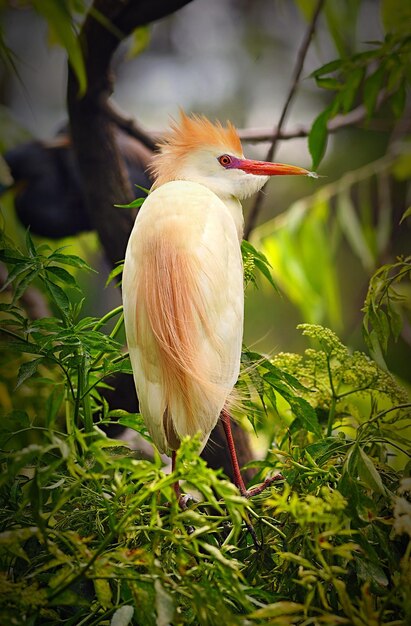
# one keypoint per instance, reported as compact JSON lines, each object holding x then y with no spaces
{"x":255,"y":491}
{"x":185,"y":501}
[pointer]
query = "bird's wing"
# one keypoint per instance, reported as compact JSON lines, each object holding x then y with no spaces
{"x":183,"y":309}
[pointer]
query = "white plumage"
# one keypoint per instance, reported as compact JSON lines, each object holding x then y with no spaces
{"x":198,"y":226}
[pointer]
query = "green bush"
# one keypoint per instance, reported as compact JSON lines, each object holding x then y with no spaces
{"x":92,"y":534}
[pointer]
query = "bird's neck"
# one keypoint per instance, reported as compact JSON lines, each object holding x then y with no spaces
{"x":236,"y":211}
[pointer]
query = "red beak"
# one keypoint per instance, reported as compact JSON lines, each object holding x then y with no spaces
{"x":264,"y":168}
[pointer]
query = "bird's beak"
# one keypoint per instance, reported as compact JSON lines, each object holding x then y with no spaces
{"x":265,"y":168}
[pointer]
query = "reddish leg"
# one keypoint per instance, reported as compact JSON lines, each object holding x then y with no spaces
{"x":238,"y":479}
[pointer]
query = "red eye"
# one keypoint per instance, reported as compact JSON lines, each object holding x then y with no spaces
{"x":224,"y":160}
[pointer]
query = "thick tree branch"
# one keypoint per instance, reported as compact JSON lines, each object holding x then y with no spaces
{"x":104,"y":178}
{"x":302,"y":53}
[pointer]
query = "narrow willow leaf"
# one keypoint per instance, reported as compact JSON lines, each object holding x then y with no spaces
{"x":372,"y":88}
{"x":351,"y":226}
{"x":59,"y":18}
{"x":406,"y":214}
{"x":280,"y":609}
{"x":135,"y":204}
{"x":331,"y":84}
{"x":332,"y":66}
{"x":139,"y":40}
{"x":398,"y":99}
{"x":317,"y":139}
{"x":114,"y":272}
{"x":354,"y":79}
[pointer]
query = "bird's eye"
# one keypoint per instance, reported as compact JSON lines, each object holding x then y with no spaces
{"x":224,"y":160}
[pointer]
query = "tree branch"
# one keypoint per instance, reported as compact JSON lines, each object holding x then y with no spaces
{"x":103,"y":172}
{"x":127,"y":124}
{"x":302,"y":53}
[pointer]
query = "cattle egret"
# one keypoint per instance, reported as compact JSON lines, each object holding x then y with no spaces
{"x":183,"y":289}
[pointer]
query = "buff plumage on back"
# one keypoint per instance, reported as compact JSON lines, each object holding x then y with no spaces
{"x":187,"y":135}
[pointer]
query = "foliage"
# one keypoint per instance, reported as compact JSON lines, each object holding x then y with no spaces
{"x":380,"y":73}
{"x":92,"y":534}
{"x":302,"y":244}
{"x":385,"y":306}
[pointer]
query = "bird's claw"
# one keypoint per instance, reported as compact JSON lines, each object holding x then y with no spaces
{"x":185,"y":500}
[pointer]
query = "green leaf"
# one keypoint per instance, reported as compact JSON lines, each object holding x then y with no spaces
{"x":12,"y":255}
{"x":72,"y":260}
{"x":398,"y":99}
{"x":27,"y":370}
{"x":58,"y":296}
{"x":332,"y":66}
{"x":22,"y":285}
{"x":139,"y":40}
{"x":133,"y":205}
{"x":62,"y":275}
{"x":354,"y":79}
{"x":30,"y":245}
{"x":351,"y":226}
{"x":278,"y":609}
{"x":60,"y":20}
{"x":368,"y":473}
{"x":331,"y":84}
{"x":16,"y":271}
{"x":317,"y":139}
{"x":53,"y":404}
{"x":103,"y":592}
{"x":372,"y":88}
{"x":114,"y":272}
{"x":406,"y":214}
{"x":305,"y":414}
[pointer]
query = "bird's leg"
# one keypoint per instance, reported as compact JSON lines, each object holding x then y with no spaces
{"x":238,"y":479}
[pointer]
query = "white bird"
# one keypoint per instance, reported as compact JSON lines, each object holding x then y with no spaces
{"x":183,"y":288}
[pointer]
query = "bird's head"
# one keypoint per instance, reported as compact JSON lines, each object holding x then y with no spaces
{"x":199,"y":151}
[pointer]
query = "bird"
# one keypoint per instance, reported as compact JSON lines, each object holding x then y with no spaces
{"x":182,"y":284}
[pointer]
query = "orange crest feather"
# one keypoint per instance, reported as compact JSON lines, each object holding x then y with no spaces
{"x":189,"y":134}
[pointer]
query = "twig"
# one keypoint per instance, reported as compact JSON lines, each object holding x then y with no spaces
{"x":302,"y":53}
{"x":249,"y":135}
{"x":259,"y":135}
{"x":127,"y":124}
